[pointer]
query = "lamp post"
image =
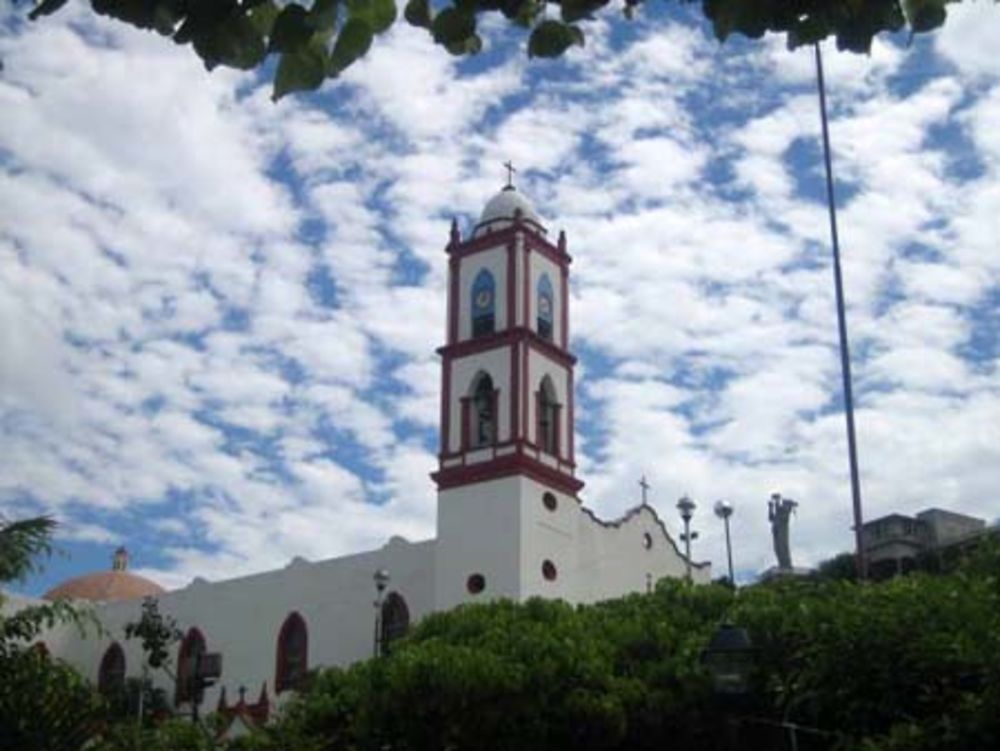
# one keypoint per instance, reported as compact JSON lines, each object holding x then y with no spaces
{"x":723,"y":510}
{"x":381,"y":578}
{"x":686,"y":506}
{"x":729,"y":658}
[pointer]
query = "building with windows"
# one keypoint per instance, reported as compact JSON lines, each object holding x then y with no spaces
{"x":510,"y":523}
{"x":896,"y":544}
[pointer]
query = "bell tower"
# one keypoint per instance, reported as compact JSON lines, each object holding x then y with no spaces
{"x":506,"y":400}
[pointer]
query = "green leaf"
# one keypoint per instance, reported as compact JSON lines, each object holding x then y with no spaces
{"x":323,"y":15}
{"x":291,"y":30}
{"x":577,"y":10}
{"x":452,"y":26}
{"x":808,"y":31}
{"x":353,"y":41}
{"x":263,"y":15}
{"x":925,"y":15}
{"x":166,"y":15}
{"x":301,"y":70}
{"x":471,"y":45}
{"x":418,"y":13}
{"x":383,"y":14}
{"x":45,"y":8}
{"x":378,"y":14}
{"x":238,"y":44}
{"x":552,"y":38}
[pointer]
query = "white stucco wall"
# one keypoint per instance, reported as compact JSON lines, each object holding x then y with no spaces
{"x":242,"y":617}
{"x":502,"y":530}
{"x":479,"y":533}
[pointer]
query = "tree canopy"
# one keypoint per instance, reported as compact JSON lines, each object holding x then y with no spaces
{"x":315,"y":40}
{"x":903,"y":664}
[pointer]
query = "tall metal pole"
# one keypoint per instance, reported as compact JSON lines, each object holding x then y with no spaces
{"x":845,"y":355}
{"x":687,"y":547}
{"x":729,"y":552}
{"x":723,"y":510}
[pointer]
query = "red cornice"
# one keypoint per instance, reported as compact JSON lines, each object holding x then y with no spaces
{"x":507,"y":338}
{"x":505,"y":466}
{"x":502,"y":236}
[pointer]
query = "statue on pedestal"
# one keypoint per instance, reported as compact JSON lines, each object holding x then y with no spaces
{"x":779,"y":510}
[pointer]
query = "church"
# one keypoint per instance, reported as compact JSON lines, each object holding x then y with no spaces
{"x":509,"y":520}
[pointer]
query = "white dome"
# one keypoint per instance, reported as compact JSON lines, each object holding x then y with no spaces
{"x":502,"y":207}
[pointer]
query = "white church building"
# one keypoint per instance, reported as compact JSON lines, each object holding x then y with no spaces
{"x":509,"y":520}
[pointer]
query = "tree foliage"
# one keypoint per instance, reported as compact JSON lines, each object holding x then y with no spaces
{"x":904,"y":664}
{"x":318,"y":39}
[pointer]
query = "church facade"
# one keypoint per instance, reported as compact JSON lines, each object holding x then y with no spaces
{"x":509,"y":520}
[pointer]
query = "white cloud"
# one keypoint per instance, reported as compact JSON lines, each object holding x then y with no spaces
{"x":166,"y":355}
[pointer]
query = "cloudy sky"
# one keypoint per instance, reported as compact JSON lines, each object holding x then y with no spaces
{"x":218,"y":315}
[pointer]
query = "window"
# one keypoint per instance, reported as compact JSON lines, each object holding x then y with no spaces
{"x":544,"y":306}
{"x":549,"y":570}
{"x":192,"y":647}
{"x":549,"y":501}
{"x":483,"y":412}
{"x":293,"y":654}
{"x":483,"y":304}
{"x":111,"y":674}
{"x":548,"y":418}
{"x":395,"y":619}
{"x":647,"y":540}
{"x":476,"y":583}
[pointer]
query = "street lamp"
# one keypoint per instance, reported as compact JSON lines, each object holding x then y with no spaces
{"x":723,"y":510}
{"x":729,"y":660}
{"x":381,"y":582}
{"x":686,"y":506}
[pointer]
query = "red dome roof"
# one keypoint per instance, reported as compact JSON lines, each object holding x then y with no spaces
{"x":103,"y":586}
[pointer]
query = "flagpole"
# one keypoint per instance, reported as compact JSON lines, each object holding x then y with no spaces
{"x":845,"y":354}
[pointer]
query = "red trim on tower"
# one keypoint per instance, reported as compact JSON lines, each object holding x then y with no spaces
{"x":445,"y":406}
{"x":538,"y":418}
{"x":526,"y":287}
{"x":569,"y":417}
{"x":504,"y":466}
{"x":564,"y":295}
{"x":466,"y":427}
{"x":525,"y":388}
{"x":506,"y":338}
{"x":496,"y":418}
{"x":515,"y":393}
{"x":548,"y":250}
{"x":557,"y":425}
{"x":511,"y":283}
{"x":454,"y":300}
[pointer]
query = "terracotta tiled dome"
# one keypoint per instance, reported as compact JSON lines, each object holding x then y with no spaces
{"x":104,"y":586}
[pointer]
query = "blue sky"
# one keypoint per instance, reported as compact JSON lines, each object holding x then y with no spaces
{"x":218,"y":315}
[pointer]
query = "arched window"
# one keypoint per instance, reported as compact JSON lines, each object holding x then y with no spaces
{"x":544,"y":306}
{"x":111,"y":674}
{"x":483,"y":304}
{"x":293,"y":654}
{"x":395,"y":619}
{"x":482,"y":412}
{"x":548,"y":418}
{"x":192,"y":646}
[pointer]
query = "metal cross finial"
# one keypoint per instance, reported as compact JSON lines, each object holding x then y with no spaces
{"x":510,"y":173}
{"x":645,"y":489}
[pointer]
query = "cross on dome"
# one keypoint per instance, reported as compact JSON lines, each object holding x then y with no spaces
{"x":510,"y":174}
{"x":645,"y":488}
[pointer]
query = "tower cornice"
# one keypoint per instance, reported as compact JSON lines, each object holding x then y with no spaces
{"x":555,"y":253}
{"x":506,"y":338}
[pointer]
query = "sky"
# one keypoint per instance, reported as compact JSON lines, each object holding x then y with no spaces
{"x":219,"y":315}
